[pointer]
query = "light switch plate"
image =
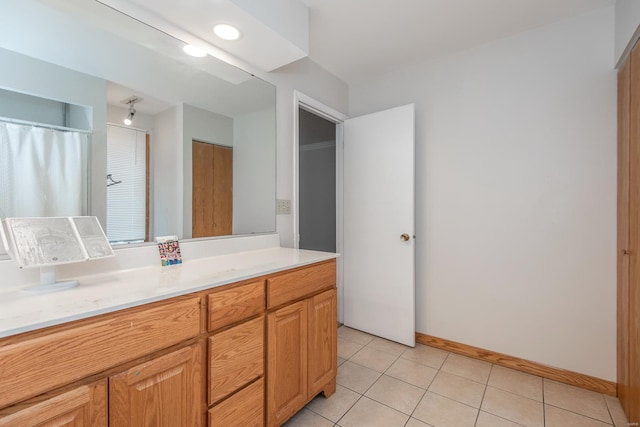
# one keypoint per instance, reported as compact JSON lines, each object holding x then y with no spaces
{"x":283,"y":207}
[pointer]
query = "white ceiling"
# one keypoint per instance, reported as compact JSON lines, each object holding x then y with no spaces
{"x":354,"y":39}
{"x":358,"y":39}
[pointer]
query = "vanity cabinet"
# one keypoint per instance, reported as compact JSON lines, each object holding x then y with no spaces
{"x":301,"y":339}
{"x":163,"y":392}
{"x":212,"y":358}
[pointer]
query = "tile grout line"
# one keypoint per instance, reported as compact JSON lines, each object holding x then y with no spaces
{"x":519,"y":396}
{"x":579,"y":414}
{"x":425,"y":390}
{"x":497,"y":388}
{"x":350,"y":408}
{"x":397,"y":357}
{"x":363,"y":394}
{"x":484,"y":392}
{"x":377,"y":379}
{"x":544,"y":405}
{"x":419,"y":401}
{"x":606,"y":404}
{"x":321,"y":416}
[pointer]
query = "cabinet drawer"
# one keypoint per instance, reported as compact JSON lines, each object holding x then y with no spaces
{"x":243,"y":409}
{"x":236,"y":304}
{"x":236,"y":357}
{"x":299,"y":283}
{"x":44,"y":361}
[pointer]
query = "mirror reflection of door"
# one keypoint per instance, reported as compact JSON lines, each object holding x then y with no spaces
{"x":212,"y":210}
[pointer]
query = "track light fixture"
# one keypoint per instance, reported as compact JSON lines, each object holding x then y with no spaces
{"x":132,"y":111}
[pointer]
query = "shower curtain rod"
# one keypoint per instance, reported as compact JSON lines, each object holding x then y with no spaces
{"x":43,"y":125}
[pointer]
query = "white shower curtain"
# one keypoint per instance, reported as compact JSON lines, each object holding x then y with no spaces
{"x":42,"y":171}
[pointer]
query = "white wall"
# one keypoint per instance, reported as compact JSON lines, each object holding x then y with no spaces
{"x":16,"y":105}
{"x":254,"y":185}
{"x":516,"y":192}
{"x":205,"y":126}
{"x":627,"y":21}
{"x":314,"y":81}
{"x":166,"y":170}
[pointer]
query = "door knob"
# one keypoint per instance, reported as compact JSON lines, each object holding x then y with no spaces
{"x":404,"y":237}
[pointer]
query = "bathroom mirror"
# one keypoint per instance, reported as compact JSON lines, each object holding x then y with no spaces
{"x":198,"y":159}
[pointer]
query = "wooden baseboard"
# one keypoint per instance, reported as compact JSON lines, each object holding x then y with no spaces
{"x":568,"y":377}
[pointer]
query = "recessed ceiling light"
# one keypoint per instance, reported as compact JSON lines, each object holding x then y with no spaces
{"x":226,"y":32}
{"x":196,"y":51}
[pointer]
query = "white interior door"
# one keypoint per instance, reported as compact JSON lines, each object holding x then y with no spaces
{"x":379,"y":273}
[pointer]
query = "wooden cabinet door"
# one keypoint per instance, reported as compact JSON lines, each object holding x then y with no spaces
{"x":287,"y":362}
{"x":322,"y":337}
{"x":212,"y":190}
{"x":85,"y":406}
{"x":163,"y":392}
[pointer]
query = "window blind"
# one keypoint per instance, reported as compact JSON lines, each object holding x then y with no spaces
{"x":126,"y":191}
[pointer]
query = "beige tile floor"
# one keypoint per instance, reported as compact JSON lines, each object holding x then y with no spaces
{"x":382,"y":383}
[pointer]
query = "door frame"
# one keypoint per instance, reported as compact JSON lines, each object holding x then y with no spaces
{"x":300,"y":100}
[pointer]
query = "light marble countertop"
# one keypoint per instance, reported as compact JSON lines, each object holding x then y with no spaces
{"x":21,"y":311}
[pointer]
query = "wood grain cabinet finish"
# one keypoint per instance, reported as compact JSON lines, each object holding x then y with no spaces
{"x":236,"y":358}
{"x":322,"y":337}
{"x":44,"y":361}
{"x":301,"y":344}
{"x":286,"y":362}
{"x":299,"y":283}
{"x":84,"y":406}
{"x":233,"y":305}
{"x":164,"y":392}
{"x":243,"y":409}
